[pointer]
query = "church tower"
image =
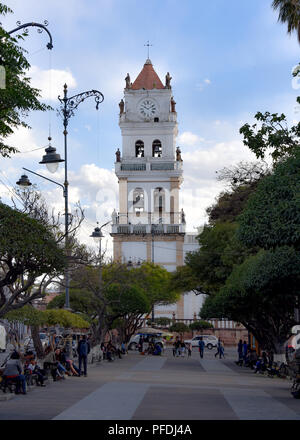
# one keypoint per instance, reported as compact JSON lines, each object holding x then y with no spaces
{"x":149,"y":224}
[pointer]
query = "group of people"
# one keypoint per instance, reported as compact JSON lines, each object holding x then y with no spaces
{"x":58,"y":361}
{"x":148,"y":345}
{"x":180,"y":348}
{"x":110,"y":350}
{"x":248,"y":357}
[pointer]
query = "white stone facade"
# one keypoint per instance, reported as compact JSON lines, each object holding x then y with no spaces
{"x":150,"y":225}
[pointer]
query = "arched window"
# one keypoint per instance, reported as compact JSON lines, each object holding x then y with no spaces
{"x":159,"y":202}
{"x":139,"y":148}
{"x":138,"y":201}
{"x":156,"y":148}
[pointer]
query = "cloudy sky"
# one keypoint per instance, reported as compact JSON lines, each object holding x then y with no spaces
{"x":228,"y":59}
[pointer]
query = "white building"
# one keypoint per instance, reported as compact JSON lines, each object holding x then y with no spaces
{"x":149,"y":224}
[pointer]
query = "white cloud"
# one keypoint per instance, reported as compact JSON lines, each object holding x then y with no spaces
{"x":189,"y":139}
{"x":25,"y":140}
{"x":97,"y":190}
{"x":51,"y":82}
{"x":201,"y":85}
{"x":200,"y":187}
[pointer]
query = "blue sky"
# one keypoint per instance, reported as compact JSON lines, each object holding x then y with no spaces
{"x":228,"y":59}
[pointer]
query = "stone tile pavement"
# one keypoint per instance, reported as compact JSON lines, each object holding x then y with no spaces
{"x":159,"y":388}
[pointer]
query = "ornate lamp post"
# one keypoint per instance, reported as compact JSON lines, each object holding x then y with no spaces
{"x":51,"y":159}
{"x":40,"y":27}
{"x":97,"y":236}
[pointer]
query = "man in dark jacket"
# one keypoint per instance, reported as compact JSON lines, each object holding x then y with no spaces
{"x":83,"y":350}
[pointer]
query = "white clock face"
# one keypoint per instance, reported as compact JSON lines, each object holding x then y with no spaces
{"x":147,"y":108}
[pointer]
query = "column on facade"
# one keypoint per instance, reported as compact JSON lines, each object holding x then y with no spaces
{"x":123,"y":203}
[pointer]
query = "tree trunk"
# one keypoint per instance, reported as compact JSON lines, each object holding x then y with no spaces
{"x":37,"y":342}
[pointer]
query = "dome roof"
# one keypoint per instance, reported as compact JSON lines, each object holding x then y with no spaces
{"x":147,"y":78}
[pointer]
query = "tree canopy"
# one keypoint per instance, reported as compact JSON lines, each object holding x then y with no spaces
{"x":28,"y":249}
{"x":289,"y":13}
{"x":18,"y":98}
{"x":261,"y":293}
{"x":272,"y":216}
{"x":123,"y":298}
{"x":31,"y":316}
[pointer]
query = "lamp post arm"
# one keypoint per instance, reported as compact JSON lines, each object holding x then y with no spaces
{"x":70,"y":104}
{"x":46,"y":178}
{"x":104,"y":225}
{"x":39,"y":25}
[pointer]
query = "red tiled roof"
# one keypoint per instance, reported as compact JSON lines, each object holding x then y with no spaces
{"x":147,"y":79}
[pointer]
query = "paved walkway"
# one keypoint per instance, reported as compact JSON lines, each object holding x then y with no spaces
{"x":159,"y":388}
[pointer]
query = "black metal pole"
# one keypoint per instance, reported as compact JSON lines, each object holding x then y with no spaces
{"x":67,"y":110}
{"x":152,"y":316}
{"x":66,"y":185}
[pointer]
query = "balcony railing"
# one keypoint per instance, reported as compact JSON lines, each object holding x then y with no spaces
{"x":133,"y":167}
{"x":162,"y":166}
{"x":148,"y":229}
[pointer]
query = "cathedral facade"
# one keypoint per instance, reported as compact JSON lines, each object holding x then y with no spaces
{"x":149,"y":224}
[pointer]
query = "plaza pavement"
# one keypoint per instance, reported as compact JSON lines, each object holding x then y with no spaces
{"x":159,"y":388}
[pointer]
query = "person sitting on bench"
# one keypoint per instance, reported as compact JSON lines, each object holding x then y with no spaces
{"x":13,"y":370}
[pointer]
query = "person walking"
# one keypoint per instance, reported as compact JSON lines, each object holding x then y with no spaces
{"x":182,"y":348}
{"x":176,"y":350}
{"x":189,"y":347}
{"x":219,"y":345}
{"x":240,"y":353}
{"x":83,"y":350}
{"x":245,"y":352}
{"x":201,"y":345}
{"x":222,"y":350}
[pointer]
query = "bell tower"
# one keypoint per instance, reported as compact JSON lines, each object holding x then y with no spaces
{"x":149,"y":224}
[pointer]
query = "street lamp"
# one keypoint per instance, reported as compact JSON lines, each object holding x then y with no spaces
{"x":24,"y":181}
{"x":97,"y":236}
{"x":51,"y":159}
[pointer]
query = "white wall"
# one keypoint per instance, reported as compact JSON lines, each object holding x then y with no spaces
{"x":134,"y":250}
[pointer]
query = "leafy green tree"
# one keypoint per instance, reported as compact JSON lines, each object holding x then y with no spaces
{"x":28,"y":250}
{"x":18,"y":98}
{"x":37,"y":318}
{"x":81,"y":300}
{"x":289,"y":13}
{"x":164,"y":321}
{"x":272,"y":216}
{"x":271,"y":134}
{"x":261,"y":293}
{"x":200,"y":325}
{"x":219,"y":252}
{"x":123,"y":297}
{"x":179,"y":327}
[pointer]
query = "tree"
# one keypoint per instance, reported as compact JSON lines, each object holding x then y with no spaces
{"x":289,"y":13}
{"x":124,"y":296}
{"x":242,"y":180}
{"x":18,"y":97}
{"x":219,"y":252}
{"x":179,"y":327}
{"x":261,"y":293}
{"x":200,"y":325}
{"x":272,"y":216}
{"x":28,"y":250}
{"x":31,"y":203}
{"x":164,"y":321}
{"x":36,"y":318}
{"x":271,"y":135}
